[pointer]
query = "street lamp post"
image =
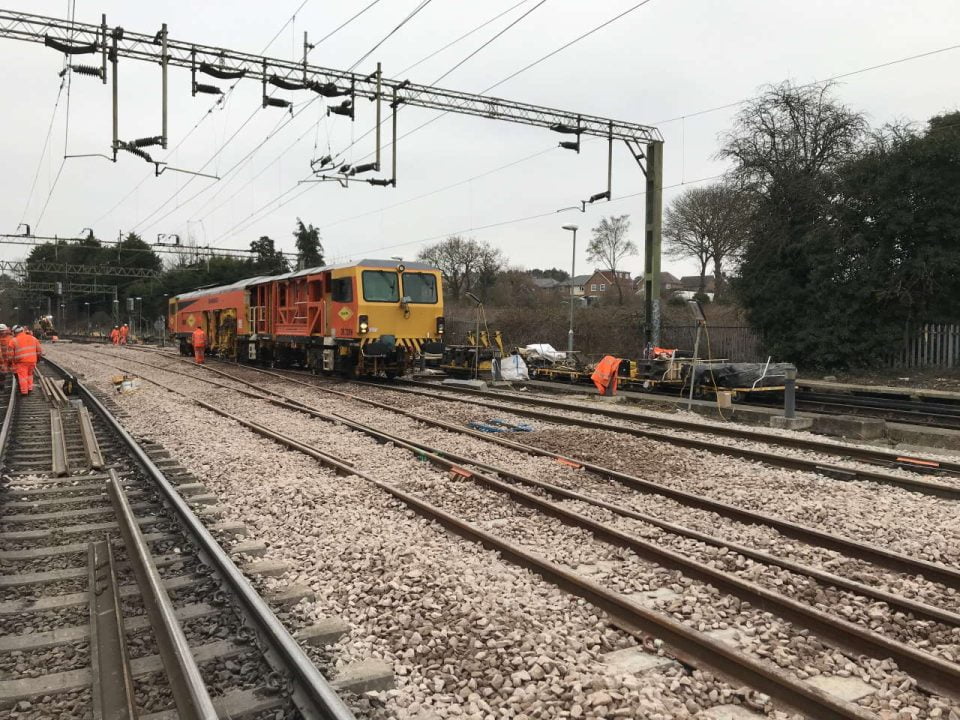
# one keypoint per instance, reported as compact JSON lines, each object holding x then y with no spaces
{"x":573,"y":269}
{"x":87,"y":305}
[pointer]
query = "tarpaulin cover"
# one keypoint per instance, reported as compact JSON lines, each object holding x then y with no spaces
{"x":742,"y":375}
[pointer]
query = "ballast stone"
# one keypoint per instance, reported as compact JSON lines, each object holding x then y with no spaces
{"x":850,"y":689}
{"x":729,"y":712}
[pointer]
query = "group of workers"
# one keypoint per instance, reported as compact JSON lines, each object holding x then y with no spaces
{"x":19,"y":353}
{"x":119,"y":334}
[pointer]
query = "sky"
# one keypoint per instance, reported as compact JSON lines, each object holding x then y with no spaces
{"x":661,"y":64}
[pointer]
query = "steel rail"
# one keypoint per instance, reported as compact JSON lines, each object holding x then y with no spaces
{"x":113,"y":696}
{"x":934,"y":674}
{"x":688,"y":644}
{"x":312,"y":694}
{"x":920,"y":610}
{"x":8,"y":417}
{"x":90,"y":445}
{"x":837,"y":472}
{"x":906,"y":605}
{"x":188,"y":689}
{"x":58,"y":445}
{"x":884,"y":557}
{"x":869,"y":455}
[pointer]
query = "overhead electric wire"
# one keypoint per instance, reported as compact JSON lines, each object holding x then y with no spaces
{"x":512,"y":75}
{"x":310,"y":102}
{"x":277,"y":128}
{"x":356,"y":140}
{"x":487,"y":22}
{"x":488,"y":42}
{"x":66,"y":125}
{"x":841,"y":76}
{"x":566,"y":45}
{"x":386,"y":37}
{"x":221,"y":101}
{"x":43,"y":151}
{"x":462,"y":37}
{"x":242,"y":225}
{"x":516,"y":73}
{"x":526,"y":218}
{"x":345,"y":23}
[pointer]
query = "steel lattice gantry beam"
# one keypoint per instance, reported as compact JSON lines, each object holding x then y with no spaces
{"x":110,"y":44}
{"x":23,"y":267}
{"x":68,"y":288}
{"x":232,"y":64}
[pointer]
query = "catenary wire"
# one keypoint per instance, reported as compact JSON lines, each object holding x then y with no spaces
{"x":745,"y":100}
{"x":526,"y":218}
{"x":66,"y":125}
{"x":512,"y":75}
{"x":220,"y":102}
{"x":403,"y":22}
{"x":43,"y":151}
{"x":207,"y":187}
{"x":317,"y":126}
{"x":500,"y":82}
{"x":462,"y":37}
{"x":488,"y":42}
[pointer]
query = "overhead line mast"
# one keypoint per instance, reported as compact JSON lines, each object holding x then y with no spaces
{"x":645,"y":142}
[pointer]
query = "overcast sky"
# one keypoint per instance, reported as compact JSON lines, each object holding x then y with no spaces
{"x":663,"y":61}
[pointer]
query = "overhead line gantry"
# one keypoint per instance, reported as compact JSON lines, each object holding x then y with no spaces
{"x":109,"y":45}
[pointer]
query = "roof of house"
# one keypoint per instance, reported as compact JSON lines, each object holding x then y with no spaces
{"x":670,"y":278}
{"x":578,"y":280}
{"x":692,"y":282}
{"x":546,"y":282}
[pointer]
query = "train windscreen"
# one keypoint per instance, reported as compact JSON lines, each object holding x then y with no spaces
{"x":381,"y":286}
{"x":420,"y":287}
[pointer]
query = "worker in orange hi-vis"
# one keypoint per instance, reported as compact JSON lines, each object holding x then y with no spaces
{"x":124,"y":331}
{"x":605,"y":375}
{"x":26,"y":353}
{"x":115,"y":335}
{"x":199,"y":345}
{"x":6,"y":353}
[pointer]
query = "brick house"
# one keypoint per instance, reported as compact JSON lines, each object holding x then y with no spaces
{"x":603,"y":284}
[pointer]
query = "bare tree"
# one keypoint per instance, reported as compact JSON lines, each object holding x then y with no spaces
{"x":610,"y":245}
{"x":684,"y":234}
{"x":790,"y":132}
{"x":708,"y":224}
{"x":466,"y":265}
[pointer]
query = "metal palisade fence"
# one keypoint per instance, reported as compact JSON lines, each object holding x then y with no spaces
{"x":933,"y":345}
{"x":739,"y":343}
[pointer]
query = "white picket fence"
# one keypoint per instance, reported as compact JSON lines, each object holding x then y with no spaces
{"x":932,"y":346}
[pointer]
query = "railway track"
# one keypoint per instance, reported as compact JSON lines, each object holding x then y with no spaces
{"x":634,"y":423}
{"x":873,"y":456}
{"x":119,"y":602}
{"x":932,"y":672}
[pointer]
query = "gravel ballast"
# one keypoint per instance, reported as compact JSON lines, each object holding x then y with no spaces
{"x":283,"y":509}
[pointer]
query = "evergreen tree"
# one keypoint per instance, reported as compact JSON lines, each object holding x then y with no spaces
{"x":309,"y":249}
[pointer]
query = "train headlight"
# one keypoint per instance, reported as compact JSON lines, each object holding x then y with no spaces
{"x":364,"y":324}
{"x":440,"y":327}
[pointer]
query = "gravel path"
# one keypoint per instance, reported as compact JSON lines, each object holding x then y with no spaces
{"x":694,"y":604}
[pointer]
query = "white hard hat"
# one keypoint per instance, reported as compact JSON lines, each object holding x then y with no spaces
{"x":2,"y":327}
{"x":17,"y":328}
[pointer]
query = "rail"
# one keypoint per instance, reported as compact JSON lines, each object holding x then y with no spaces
{"x":686,"y":643}
{"x":932,"y":672}
{"x":8,"y":418}
{"x":310,"y":687}
{"x":189,"y":691}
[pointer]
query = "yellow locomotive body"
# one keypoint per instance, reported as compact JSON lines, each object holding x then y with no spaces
{"x":366,"y":318}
